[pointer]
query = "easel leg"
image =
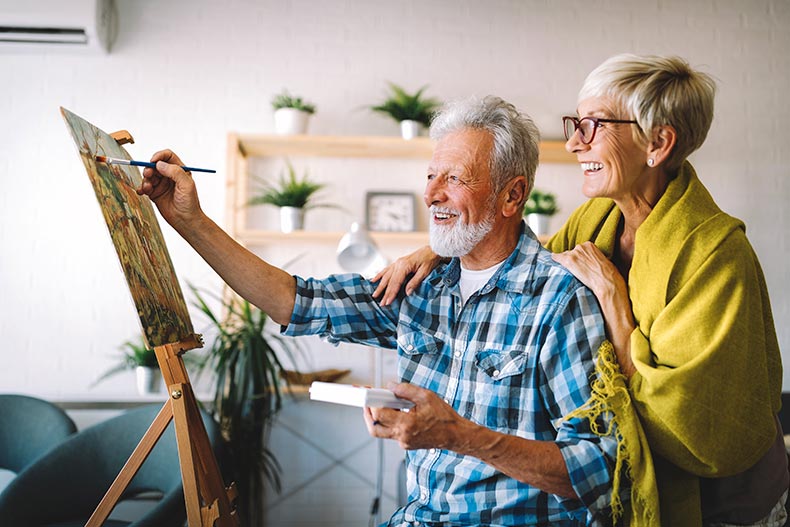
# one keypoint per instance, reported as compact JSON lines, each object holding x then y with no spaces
{"x":131,"y":467}
{"x":199,"y":468}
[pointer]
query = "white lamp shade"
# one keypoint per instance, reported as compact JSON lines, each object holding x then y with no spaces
{"x":358,"y":253}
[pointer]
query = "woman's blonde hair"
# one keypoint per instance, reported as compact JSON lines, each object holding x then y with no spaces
{"x":657,"y":91}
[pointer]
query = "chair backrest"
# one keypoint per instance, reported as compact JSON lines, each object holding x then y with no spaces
{"x":70,"y":481}
{"x":784,"y":414}
{"x":29,"y":427}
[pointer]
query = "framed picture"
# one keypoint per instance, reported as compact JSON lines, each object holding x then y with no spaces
{"x":390,"y":211}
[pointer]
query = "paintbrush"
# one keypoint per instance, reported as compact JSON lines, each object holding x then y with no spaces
{"x":114,"y":161}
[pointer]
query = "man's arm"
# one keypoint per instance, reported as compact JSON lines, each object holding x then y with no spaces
{"x":432,"y":423}
{"x":576,"y":463}
{"x":174,"y":193}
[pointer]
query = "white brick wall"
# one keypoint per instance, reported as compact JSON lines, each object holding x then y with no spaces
{"x":184,"y":73}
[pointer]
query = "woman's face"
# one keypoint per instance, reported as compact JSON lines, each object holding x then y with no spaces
{"x":614,"y":165}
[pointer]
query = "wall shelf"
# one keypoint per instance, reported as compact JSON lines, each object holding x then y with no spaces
{"x":242,"y":147}
{"x":263,"y":237}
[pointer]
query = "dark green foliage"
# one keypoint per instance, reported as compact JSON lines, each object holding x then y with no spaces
{"x":289,"y":192}
{"x":133,"y":354}
{"x":247,"y":396}
{"x":402,"y":106}
{"x":286,"y":100}
{"x":540,"y":203}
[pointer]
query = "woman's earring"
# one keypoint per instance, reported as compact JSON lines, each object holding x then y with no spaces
{"x":651,"y":162}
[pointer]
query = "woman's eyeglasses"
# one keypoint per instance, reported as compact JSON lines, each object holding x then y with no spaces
{"x":586,"y":126}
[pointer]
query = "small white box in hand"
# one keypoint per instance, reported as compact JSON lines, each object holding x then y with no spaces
{"x":352,"y":395}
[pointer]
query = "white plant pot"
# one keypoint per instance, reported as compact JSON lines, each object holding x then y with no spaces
{"x":410,"y":129}
{"x":291,"y":219}
{"x":539,"y":223}
{"x":148,"y":380}
{"x":290,"y":121}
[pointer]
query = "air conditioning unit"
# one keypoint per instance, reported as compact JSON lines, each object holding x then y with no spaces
{"x":79,"y":24}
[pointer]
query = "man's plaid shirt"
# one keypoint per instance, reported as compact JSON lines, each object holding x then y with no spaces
{"x":516,"y":358}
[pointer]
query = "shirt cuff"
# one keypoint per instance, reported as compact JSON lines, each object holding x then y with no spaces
{"x":590,"y":476}
{"x":305,"y":320}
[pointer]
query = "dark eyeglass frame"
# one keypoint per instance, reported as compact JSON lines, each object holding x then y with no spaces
{"x":595,"y":120}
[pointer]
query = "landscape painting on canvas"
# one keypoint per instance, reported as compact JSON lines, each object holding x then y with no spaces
{"x":136,"y":235}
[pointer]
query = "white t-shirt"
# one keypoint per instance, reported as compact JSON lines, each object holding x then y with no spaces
{"x":471,"y":281}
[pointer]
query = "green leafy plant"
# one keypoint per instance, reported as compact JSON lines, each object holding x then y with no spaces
{"x":403,"y":106}
{"x":247,"y":394}
{"x":133,"y":354}
{"x":540,"y":202}
{"x":290,"y":191}
{"x":286,"y":100}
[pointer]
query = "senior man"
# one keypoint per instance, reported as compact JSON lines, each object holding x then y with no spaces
{"x":495,"y":347}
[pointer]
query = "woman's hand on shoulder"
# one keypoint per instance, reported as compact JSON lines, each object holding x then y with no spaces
{"x":587,"y":263}
{"x":417,"y":264}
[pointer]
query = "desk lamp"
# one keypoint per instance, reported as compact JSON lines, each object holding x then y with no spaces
{"x":358,"y":253}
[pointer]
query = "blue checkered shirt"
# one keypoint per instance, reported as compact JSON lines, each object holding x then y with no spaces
{"x":515,"y":358}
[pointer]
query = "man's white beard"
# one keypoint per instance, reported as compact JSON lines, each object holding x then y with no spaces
{"x":460,"y":238}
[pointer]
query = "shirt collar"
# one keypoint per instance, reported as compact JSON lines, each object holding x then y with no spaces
{"x":513,"y":276}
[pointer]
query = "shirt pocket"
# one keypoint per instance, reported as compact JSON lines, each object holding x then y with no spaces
{"x":422,"y":361}
{"x":503,"y":391}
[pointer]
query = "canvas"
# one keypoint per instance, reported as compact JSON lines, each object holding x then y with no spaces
{"x":136,"y":235}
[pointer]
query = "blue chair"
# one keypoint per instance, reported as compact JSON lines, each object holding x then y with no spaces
{"x":29,"y":428}
{"x":63,"y":488}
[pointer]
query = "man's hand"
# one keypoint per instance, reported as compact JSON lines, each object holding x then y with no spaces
{"x":172,"y":190}
{"x":432,"y":423}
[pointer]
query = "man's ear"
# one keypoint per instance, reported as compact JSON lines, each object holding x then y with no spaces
{"x":515,"y":193}
{"x":661,"y":144}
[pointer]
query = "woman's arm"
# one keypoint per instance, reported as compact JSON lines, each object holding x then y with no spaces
{"x":593,"y":269}
{"x":418,"y":264}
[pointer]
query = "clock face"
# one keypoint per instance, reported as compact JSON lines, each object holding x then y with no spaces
{"x":390,"y":211}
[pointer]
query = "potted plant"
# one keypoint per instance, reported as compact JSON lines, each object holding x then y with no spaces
{"x":247,"y":395}
{"x":412,"y":111}
{"x":291,"y":114}
{"x":293,"y":195}
{"x":136,"y":356}
{"x":538,"y":209}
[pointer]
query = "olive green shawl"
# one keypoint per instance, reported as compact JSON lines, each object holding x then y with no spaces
{"x":709,"y":373}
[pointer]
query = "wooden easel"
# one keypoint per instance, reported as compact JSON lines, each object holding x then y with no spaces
{"x":208,"y":502}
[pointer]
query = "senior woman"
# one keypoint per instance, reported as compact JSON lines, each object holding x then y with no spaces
{"x":683,"y":295}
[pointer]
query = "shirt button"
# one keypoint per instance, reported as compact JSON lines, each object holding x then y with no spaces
{"x":447,"y":401}
{"x":496,"y":373}
{"x":432,"y":451}
{"x":410,"y":347}
{"x":457,"y":353}
{"x":424,"y":496}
